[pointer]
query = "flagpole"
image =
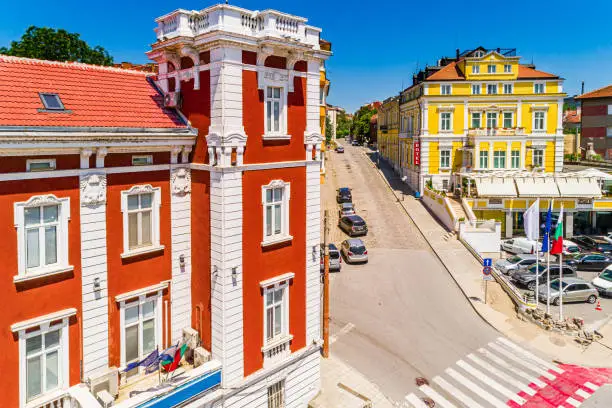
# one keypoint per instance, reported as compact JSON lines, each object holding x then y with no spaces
{"x":548,"y":243}
{"x":537,"y":235}
{"x":561,"y":267}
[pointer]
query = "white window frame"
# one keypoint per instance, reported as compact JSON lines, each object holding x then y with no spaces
{"x":484,"y":154}
{"x":492,"y":69}
{"x":446,"y":89}
{"x":450,"y":122}
{"x":284,"y":334}
{"x":492,"y":86}
{"x":479,"y":114}
{"x":508,"y":87}
{"x":51,"y":162}
{"x":534,"y":121}
{"x":23,"y":273}
{"x":276,"y":395}
{"x":537,"y":85}
{"x":499,"y":154}
{"x":487,"y":120}
{"x":507,"y":68}
{"x":504,"y":119}
{"x":286,"y":200}
{"x":281,"y":134}
{"x":40,"y":326}
{"x":155,"y":221}
{"x":475,"y":69}
{"x":477,"y":88}
{"x":534,"y":152}
{"x":147,"y":158}
{"x":514,"y":156}
{"x":155,"y":295}
{"x":448,"y":155}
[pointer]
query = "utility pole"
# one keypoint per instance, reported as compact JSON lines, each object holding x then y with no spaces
{"x":326,"y":286}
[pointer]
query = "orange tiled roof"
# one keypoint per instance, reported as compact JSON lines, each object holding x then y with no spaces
{"x":449,"y":73}
{"x":571,"y":116}
{"x":95,"y":96}
{"x":530,"y":73}
{"x":605,"y":92}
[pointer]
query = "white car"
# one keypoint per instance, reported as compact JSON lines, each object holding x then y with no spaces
{"x":603,"y":282}
{"x":570,"y":248}
{"x":520,"y":246}
{"x":608,"y":237}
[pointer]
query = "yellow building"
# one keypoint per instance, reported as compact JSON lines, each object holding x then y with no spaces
{"x":324,"y":85}
{"x":388,"y":132}
{"x":480,"y":111}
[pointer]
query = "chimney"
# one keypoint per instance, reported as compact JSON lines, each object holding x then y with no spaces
{"x":457,"y":53}
{"x":582,"y":91}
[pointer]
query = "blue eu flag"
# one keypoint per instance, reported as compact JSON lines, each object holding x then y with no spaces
{"x":547,"y":227}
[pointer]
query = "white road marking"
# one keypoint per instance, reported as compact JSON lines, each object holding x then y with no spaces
{"x":440,"y":400}
{"x":590,"y":385}
{"x":582,"y":393}
{"x":573,"y":402}
{"x":415,"y":401}
{"x":452,"y":390}
{"x":515,"y":370}
{"x":344,"y":330}
{"x":532,"y":356}
{"x":485,"y":379}
{"x":522,"y":362}
{"x":510,"y":380}
{"x":476,"y":389}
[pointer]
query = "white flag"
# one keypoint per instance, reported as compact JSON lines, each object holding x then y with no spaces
{"x":531,"y":220}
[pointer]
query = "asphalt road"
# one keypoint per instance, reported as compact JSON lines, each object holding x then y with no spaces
{"x":400,"y":316}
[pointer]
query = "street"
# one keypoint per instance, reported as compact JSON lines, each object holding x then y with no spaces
{"x":401,"y":317}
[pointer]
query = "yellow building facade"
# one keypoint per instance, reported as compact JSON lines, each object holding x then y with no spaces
{"x":388,"y":141}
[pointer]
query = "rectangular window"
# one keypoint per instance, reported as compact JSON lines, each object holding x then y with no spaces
{"x":51,"y":101}
{"x":446,"y":89}
{"x":274,"y":207}
{"x":445,"y":121}
{"x":43,"y":355}
{"x":491,"y":69}
{"x":445,"y":156}
{"x":140,"y":220}
{"x":538,"y":88}
{"x":475,"y":69}
{"x":41,"y":228}
{"x":538,"y":120}
{"x":507,"y":68}
{"x":507,"y":88}
{"x":609,"y":109}
{"x":276,"y":395}
{"x":476,"y":120}
{"x":508,"y":116}
{"x":142,"y":160}
{"x":491,"y":120}
{"x":476,"y":89}
{"x":40,"y":164}
{"x":139,"y":331}
{"x":484,"y":159}
{"x":274,"y":107}
{"x":515,"y":159}
{"x":499,"y":160}
{"x":492,"y":89}
{"x":609,"y":131}
{"x":538,"y":158}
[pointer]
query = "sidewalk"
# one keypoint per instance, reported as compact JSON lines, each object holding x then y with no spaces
{"x":499,"y":311}
{"x":345,"y":387}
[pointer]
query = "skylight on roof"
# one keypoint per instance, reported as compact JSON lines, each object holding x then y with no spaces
{"x":51,"y":101}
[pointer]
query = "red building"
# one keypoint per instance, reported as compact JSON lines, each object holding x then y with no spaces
{"x":140,"y":211}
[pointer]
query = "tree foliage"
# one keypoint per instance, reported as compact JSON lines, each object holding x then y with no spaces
{"x":361,"y":122}
{"x":329,"y":130}
{"x":343,"y":125}
{"x":56,"y":45}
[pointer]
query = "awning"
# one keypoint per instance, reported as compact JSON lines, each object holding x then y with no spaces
{"x":495,"y":187}
{"x":579,"y":187}
{"x":537,"y":187}
{"x":594,"y":173}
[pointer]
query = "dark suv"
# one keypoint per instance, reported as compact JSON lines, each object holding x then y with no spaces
{"x":353,"y":225}
{"x":593,"y":243}
{"x":527,"y":277}
{"x":344,"y":195}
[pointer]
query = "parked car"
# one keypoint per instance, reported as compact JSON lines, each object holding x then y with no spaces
{"x":527,"y":277}
{"x":574,"y":290}
{"x":608,"y":237}
{"x":598,"y":244}
{"x":520,"y":246}
{"x":593,"y":262}
{"x":339,"y":149}
{"x":354,"y":250}
{"x":335,"y":260}
{"x":344,"y":195}
{"x":514,"y":263}
{"x":353,"y":225}
{"x":355,"y":143}
{"x":570,"y":248}
{"x":346,"y":209}
{"x":603,"y":282}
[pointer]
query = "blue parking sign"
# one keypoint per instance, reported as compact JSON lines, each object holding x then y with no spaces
{"x":487,"y":262}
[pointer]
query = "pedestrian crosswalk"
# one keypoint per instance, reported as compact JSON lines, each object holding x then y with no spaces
{"x":503,"y":374}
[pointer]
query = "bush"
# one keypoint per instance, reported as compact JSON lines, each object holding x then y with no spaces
{"x":596,"y":157}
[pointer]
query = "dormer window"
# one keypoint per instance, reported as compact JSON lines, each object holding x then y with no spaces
{"x":479,"y":54}
{"x":51,"y":101}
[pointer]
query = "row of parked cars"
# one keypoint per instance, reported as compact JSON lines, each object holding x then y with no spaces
{"x":577,"y":245}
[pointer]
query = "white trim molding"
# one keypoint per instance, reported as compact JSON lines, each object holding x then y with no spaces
{"x":155,"y":221}
{"x":141,"y":292}
{"x":277,"y":279}
{"x":283,"y":235}
{"x":44,"y":320}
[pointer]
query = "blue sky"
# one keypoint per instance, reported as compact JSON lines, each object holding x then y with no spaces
{"x":377,"y":46}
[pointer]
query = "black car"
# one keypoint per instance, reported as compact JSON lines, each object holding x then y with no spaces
{"x":355,"y":143}
{"x":527,"y":277}
{"x":593,"y":244}
{"x":344,"y":195}
{"x":593,"y":262}
{"x":353,"y":225}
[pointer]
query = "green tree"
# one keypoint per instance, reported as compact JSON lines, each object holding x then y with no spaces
{"x":56,"y":45}
{"x":329,"y":130}
{"x":343,"y":125}
{"x":361,"y":122}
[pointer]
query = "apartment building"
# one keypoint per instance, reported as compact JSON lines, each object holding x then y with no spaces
{"x":596,"y":121}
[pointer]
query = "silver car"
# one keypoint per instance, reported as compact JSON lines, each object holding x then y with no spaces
{"x":335,"y":260}
{"x":574,"y":290}
{"x":354,"y":250}
{"x":516,"y":262}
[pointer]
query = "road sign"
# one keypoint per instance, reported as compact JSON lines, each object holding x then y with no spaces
{"x":486,"y":270}
{"x":488,"y":278}
{"x":487,"y":262}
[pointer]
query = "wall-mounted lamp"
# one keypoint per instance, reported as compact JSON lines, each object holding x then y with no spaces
{"x":215,"y":269}
{"x":314,"y":253}
{"x":96,"y":284}
{"x":182,"y":260}
{"x":234,"y":271}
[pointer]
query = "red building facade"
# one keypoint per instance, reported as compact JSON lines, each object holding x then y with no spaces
{"x":142,"y":211}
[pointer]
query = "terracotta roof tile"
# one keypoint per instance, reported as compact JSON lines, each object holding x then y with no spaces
{"x":96,"y":96}
{"x":530,"y":73}
{"x":571,"y":116}
{"x":605,"y":92}
{"x":448,"y":73}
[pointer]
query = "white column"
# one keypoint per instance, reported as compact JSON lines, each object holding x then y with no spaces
{"x":313,"y":239}
{"x":226,"y":287}
{"x":180,"y":232}
{"x":519,"y":114}
{"x":509,"y":220}
{"x":94,"y":272}
{"x":425,"y":119}
{"x":313,"y":123}
{"x":569,"y":224}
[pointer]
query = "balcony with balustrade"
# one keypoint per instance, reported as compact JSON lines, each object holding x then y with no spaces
{"x":515,"y":131}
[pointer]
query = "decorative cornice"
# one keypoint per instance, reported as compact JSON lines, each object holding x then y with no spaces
{"x":181,"y":181}
{"x":141,"y":189}
{"x":39,"y":200}
{"x":93,"y":189}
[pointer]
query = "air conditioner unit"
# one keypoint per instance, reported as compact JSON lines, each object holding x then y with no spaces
{"x":200,"y":356}
{"x":105,"y":381}
{"x":172,"y":100}
{"x":105,"y":399}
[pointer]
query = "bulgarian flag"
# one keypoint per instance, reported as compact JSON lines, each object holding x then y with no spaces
{"x":171,"y":357}
{"x":557,"y":236}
